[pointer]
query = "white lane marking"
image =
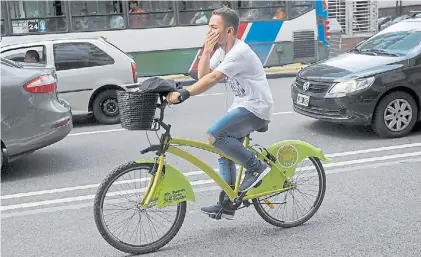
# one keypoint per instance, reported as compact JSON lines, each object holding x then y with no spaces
{"x":94,"y":132}
{"x":66,"y":189}
{"x":373,"y":150}
{"x":196,"y":190}
{"x":280,"y":113}
{"x":85,"y":197}
{"x":202,"y":182}
{"x":80,"y":206}
{"x":212,"y":94}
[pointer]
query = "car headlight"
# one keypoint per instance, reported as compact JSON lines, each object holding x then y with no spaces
{"x":350,"y":86}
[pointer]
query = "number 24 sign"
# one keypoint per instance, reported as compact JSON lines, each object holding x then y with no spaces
{"x":33,"y":26}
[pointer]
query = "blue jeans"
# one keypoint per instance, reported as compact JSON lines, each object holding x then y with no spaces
{"x":229,"y":133}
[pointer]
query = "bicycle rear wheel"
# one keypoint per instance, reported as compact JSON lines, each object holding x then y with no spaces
{"x":139,"y":218}
{"x":303,"y":182}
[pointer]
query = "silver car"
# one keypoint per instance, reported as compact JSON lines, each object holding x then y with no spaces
{"x":32,"y":115}
{"x":89,"y":69}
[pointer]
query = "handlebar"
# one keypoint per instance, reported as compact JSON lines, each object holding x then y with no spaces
{"x":184,"y":95}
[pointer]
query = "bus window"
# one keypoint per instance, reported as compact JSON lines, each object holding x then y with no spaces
{"x":299,"y":8}
{"x":97,"y":15}
{"x":3,"y":29}
{"x":198,"y":12}
{"x":151,"y":14}
{"x":30,"y":17}
{"x":261,"y":10}
{"x":279,"y":10}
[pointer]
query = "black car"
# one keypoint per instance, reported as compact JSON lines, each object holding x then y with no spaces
{"x":377,"y":83}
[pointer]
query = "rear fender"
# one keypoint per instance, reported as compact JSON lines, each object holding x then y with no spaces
{"x":288,"y":154}
{"x":172,"y":188}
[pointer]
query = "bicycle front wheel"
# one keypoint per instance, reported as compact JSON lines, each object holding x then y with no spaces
{"x":290,"y":210}
{"x":145,"y":229}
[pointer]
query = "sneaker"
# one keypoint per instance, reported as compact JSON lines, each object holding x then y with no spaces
{"x":252,"y":177}
{"x":216,"y":210}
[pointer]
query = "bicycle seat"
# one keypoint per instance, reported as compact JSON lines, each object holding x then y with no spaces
{"x":263,"y":129}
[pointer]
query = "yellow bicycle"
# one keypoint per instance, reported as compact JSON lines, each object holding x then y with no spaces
{"x":166,"y":190}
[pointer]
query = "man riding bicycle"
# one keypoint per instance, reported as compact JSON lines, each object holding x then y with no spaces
{"x":252,"y":108}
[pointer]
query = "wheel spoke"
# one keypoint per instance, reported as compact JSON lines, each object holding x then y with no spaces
{"x":405,"y":121}
{"x":399,"y":124}
{"x":392,"y":124}
{"x":404,"y":106}
{"x":407,"y":113}
{"x":389,"y":117}
{"x":305,"y":198}
{"x":391,"y":109}
{"x":130,"y":222}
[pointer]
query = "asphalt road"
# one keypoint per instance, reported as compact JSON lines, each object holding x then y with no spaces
{"x":371,"y":207}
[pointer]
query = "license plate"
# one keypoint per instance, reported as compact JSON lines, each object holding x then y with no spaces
{"x":303,"y":99}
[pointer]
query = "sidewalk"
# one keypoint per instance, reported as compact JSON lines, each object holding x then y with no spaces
{"x":271,"y":73}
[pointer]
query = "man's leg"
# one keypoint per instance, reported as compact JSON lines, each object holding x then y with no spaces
{"x":236,"y":124}
{"x":224,"y":135}
{"x":228,"y":172}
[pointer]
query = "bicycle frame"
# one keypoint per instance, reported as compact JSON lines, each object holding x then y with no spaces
{"x":173,"y":187}
{"x":231,"y":193}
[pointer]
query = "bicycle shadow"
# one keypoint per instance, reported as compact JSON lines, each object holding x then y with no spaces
{"x":226,"y":236}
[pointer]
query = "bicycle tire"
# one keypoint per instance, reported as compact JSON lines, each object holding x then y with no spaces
{"x":110,"y":239}
{"x":268,"y":218}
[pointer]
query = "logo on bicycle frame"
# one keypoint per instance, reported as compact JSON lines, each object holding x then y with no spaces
{"x":168,"y":197}
{"x":287,"y":156}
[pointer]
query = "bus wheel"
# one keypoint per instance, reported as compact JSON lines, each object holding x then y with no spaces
{"x":105,"y":107}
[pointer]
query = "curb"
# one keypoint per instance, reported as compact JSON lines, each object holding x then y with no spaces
{"x":271,"y":73}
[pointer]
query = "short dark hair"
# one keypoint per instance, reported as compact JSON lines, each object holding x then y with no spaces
{"x":230,"y":17}
{"x":34,"y":54}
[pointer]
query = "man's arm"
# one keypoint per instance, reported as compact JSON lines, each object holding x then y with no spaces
{"x":205,"y":83}
{"x":204,"y":65}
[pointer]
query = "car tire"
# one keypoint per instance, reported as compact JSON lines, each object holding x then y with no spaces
{"x":4,"y":163}
{"x":105,"y":108}
{"x":410,"y":112}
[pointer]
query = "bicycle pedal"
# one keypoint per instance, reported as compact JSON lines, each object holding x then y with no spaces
{"x":246,"y":203}
{"x":217,"y":216}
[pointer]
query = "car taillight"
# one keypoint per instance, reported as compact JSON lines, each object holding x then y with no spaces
{"x":134,"y":72}
{"x":42,"y":84}
{"x":327,"y":29}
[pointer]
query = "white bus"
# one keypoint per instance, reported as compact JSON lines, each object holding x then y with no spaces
{"x":165,"y":37}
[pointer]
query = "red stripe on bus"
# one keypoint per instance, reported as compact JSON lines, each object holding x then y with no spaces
{"x":241,"y":29}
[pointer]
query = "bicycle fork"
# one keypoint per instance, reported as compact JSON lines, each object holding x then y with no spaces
{"x":153,"y":182}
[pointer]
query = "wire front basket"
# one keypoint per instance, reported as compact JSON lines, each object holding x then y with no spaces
{"x":137,"y":109}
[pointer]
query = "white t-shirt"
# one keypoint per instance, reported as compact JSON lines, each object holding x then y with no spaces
{"x":246,"y":77}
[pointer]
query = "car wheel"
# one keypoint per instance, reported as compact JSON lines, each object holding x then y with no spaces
{"x":105,"y":107}
{"x":395,"y":115}
{"x":3,"y":162}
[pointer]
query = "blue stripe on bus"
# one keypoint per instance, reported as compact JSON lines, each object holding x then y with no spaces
{"x":262,"y":32}
{"x":320,"y":27}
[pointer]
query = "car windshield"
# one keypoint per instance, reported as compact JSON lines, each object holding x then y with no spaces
{"x":398,"y":43}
